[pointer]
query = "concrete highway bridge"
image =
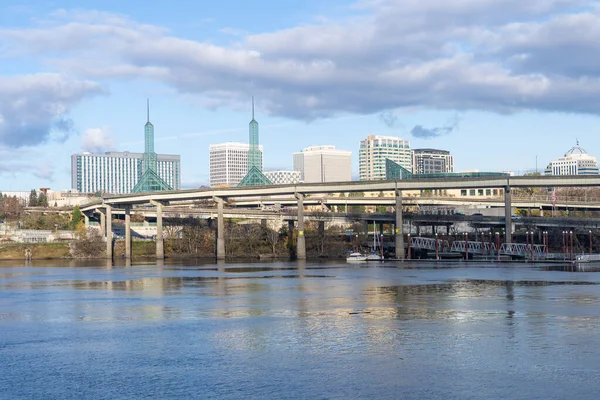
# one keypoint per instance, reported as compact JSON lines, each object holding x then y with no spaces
{"x":302,"y":192}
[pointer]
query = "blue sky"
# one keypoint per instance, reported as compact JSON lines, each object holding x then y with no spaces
{"x":498,"y":83}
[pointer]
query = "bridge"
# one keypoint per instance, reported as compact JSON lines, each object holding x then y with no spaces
{"x":299,"y":191}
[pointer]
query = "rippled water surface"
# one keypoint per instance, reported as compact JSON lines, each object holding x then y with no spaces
{"x":298,"y":331}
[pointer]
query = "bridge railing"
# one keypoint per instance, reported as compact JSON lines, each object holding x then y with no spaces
{"x":429,"y":243}
{"x":475,"y":247}
{"x":522,"y":249}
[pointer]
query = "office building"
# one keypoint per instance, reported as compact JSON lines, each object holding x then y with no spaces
{"x":119,"y":172}
{"x":323,"y":164}
{"x":375,"y":150}
{"x":432,"y":161}
{"x":229,"y":163}
{"x":576,"y":161}
{"x":281,"y":177}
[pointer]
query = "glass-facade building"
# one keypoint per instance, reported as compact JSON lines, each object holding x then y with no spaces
{"x":119,"y":172}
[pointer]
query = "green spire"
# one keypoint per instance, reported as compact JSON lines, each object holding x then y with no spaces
{"x":150,"y":181}
{"x":254,"y":156}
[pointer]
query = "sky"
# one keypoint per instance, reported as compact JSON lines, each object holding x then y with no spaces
{"x":505,"y":85}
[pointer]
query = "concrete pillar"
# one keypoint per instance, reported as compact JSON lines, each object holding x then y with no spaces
{"x":86,"y":219}
{"x":128,"y":232}
{"x":160,"y":246}
{"x":220,"y":230}
{"x":102,"y":222}
{"x":507,"y":214}
{"x":321,"y":228}
{"x":109,"y":235}
{"x":300,"y":241}
{"x":399,"y":231}
{"x":290,"y":235}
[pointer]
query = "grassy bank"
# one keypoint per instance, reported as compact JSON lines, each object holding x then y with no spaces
{"x":39,"y":251}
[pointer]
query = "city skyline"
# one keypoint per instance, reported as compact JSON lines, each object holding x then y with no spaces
{"x":499,"y":95}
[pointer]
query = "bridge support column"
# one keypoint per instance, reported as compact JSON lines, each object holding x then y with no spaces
{"x":507,"y":214}
{"x":290,"y":236}
{"x":220,"y":230}
{"x":86,"y":219}
{"x":102,"y":222}
{"x":108,"y":232}
{"x":160,"y":244}
{"x":398,"y":229}
{"x":300,"y":241}
{"x":128,"y":232}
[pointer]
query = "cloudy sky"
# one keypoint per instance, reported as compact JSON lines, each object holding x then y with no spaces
{"x":499,"y":83}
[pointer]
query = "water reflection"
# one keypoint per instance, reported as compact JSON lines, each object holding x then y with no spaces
{"x":230,"y":331}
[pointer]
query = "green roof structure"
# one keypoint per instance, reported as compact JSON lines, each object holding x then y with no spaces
{"x":255,"y":177}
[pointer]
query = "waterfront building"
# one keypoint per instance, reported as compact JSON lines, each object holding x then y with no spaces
{"x":119,"y":172}
{"x":281,"y":177}
{"x":576,"y":161}
{"x":323,"y":164}
{"x":432,"y":161}
{"x":125,"y":172}
{"x":375,"y":150}
{"x":229,"y":163}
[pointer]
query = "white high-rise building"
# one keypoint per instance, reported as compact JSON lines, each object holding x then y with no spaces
{"x":432,"y":161}
{"x":374,"y":150}
{"x":229,"y":163}
{"x":575,"y":162}
{"x":323,"y":164}
{"x":118,"y":172}
{"x":281,"y":177}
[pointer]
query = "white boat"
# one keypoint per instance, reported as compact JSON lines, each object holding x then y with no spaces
{"x":374,"y":257}
{"x":356,"y":257}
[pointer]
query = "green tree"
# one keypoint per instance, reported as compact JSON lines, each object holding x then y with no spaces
{"x":33,"y":199}
{"x":42,"y":200}
{"x":76,"y":218}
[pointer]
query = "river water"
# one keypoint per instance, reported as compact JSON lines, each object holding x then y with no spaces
{"x":298,"y":331}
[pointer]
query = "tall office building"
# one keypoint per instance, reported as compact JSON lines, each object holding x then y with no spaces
{"x":576,"y":161}
{"x":374,"y":150}
{"x":229,"y":163}
{"x":432,"y":161}
{"x":119,"y":172}
{"x":323,"y":164}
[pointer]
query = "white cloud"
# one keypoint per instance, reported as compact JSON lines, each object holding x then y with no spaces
{"x":459,"y":55}
{"x":34,"y":108}
{"x":97,"y":140}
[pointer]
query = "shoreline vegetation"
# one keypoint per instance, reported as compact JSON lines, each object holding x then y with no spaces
{"x":194,"y":239}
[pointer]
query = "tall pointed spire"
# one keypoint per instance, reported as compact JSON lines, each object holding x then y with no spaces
{"x":252,"y":107}
{"x":148,"y":106}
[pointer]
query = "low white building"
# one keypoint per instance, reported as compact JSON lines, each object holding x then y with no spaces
{"x":282,"y":177}
{"x":575,"y":162}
